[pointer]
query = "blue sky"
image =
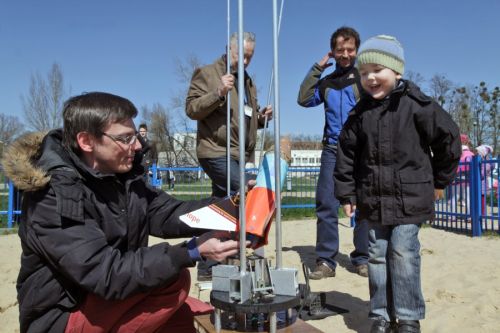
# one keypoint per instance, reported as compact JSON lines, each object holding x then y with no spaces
{"x":129,"y":47}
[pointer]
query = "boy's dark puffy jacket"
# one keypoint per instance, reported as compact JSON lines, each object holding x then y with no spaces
{"x":393,"y":153}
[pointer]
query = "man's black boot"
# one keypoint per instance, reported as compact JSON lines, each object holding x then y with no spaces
{"x":408,"y":326}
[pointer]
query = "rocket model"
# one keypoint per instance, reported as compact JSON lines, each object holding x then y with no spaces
{"x":261,"y":200}
{"x":260,"y":203}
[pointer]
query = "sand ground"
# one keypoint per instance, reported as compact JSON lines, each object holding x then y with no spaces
{"x":460,"y":280}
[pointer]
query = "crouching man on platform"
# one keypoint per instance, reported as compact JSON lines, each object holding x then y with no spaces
{"x":87,"y":214}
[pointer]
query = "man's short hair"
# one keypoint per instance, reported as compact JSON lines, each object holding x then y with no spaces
{"x":247,"y":36}
{"x":346,"y":33}
{"x":91,"y":113}
{"x":143,"y":126}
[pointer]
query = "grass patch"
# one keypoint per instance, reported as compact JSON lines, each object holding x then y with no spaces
{"x":8,"y":231}
{"x":287,"y":213}
{"x":491,"y":234}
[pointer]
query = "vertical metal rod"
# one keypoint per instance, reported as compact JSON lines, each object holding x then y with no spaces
{"x":272,"y":322}
{"x":10,"y":205}
{"x":228,"y":101}
{"x":269,"y":94}
{"x":217,"y":320}
{"x":276,"y":117}
{"x":241,"y":138}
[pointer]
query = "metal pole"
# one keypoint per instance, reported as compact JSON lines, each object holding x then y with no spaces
{"x":269,"y":94}
{"x":228,"y":101}
{"x":475,"y":196}
{"x":272,"y":322}
{"x":241,"y":138}
{"x":217,"y":320}
{"x":277,"y":165}
{"x":10,"y":205}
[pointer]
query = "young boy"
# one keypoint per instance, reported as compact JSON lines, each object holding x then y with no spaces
{"x":397,"y":151}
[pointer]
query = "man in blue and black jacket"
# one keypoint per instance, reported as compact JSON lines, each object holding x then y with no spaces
{"x":339,"y":92}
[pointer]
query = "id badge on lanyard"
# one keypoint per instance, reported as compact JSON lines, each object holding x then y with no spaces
{"x":248,"y":108}
{"x":248,"y":111}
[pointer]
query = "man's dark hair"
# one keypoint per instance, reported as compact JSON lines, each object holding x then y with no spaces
{"x":91,"y":113}
{"x":143,"y":126}
{"x":347,"y":33}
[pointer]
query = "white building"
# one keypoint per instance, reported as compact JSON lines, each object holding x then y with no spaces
{"x":306,"y":158}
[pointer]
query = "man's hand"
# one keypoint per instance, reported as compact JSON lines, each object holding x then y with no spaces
{"x":323,"y":63}
{"x":211,"y":247}
{"x":438,"y":194}
{"x":225,"y":85}
{"x":251,"y":184}
{"x":349,"y":209}
{"x":267,"y":112}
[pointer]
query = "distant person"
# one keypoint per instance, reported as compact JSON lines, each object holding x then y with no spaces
{"x":397,"y":151}
{"x":338,"y":92}
{"x":460,"y":191}
{"x":87,"y":215}
{"x":148,"y":152}
{"x":171,"y":180}
{"x":206,"y":103}
{"x":485,"y":152}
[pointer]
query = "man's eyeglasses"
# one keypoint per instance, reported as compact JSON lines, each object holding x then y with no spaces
{"x":125,"y":139}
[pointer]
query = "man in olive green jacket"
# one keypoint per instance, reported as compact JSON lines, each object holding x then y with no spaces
{"x":207,"y":104}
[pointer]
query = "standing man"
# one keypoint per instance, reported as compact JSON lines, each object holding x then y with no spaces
{"x":87,"y":214}
{"x":206,"y":103}
{"x":339,"y":92}
{"x":148,"y":150}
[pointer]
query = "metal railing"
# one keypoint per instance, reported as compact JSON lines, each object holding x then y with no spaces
{"x":471,"y":203}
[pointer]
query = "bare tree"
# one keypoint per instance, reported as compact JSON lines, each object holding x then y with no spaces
{"x":489,"y":104}
{"x":459,"y":109}
{"x":43,"y":103}
{"x":415,"y":77}
{"x":179,"y":147}
{"x":440,"y":88}
{"x":35,"y":104}
{"x":309,"y":142}
{"x":183,"y":71}
{"x":55,"y":82}
{"x":10,"y":128}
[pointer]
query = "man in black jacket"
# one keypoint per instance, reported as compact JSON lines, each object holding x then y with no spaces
{"x":148,"y":152}
{"x":87,"y":214}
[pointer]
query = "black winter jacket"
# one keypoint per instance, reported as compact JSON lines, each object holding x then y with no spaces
{"x":86,"y":232}
{"x":393,"y":153}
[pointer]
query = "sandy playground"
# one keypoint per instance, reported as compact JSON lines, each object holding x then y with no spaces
{"x":461,"y":280}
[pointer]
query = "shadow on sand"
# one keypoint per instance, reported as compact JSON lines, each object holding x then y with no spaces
{"x":356,"y":307}
{"x":307,"y":254}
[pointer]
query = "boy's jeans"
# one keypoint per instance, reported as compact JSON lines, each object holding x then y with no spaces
{"x":394,"y":272}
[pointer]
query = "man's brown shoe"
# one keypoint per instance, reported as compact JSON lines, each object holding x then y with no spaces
{"x":322,"y":271}
{"x":362,"y":270}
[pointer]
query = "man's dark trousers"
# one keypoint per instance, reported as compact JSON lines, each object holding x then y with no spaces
{"x":327,"y":206}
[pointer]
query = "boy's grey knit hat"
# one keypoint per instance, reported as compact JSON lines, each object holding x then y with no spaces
{"x":382,"y":50}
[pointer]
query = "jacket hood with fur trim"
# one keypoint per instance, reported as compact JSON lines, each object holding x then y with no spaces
{"x":20,"y":162}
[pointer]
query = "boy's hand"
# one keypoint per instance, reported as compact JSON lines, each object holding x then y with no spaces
{"x":438,"y":194}
{"x":349,"y":209}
